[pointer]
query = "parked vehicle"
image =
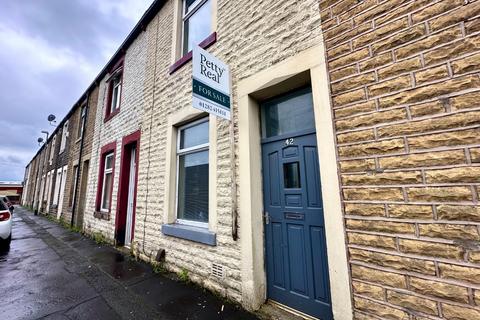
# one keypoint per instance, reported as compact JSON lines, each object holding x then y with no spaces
{"x":5,"y":225}
{"x":9,"y":203}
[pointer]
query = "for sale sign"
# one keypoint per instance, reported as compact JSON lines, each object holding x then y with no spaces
{"x":211,"y":84}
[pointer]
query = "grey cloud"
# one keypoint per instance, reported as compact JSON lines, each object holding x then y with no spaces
{"x":51,"y":51}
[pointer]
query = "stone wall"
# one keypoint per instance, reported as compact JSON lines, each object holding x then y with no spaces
{"x":251,"y":36}
{"x":404,"y":79}
{"x":74,"y":154}
{"x":127,"y":121}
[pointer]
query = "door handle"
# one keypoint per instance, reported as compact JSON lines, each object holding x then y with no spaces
{"x":266,"y":216}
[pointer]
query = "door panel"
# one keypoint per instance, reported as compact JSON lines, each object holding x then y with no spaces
{"x":296,"y":259}
{"x":274,"y":179}
{"x":279,"y":273}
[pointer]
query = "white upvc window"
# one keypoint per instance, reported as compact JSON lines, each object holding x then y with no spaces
{"x":116,"y":91}
{"x":63,"y":143}
{"x":58,"y":182}
{"x":52,"y":150}
{"x":192,"y":173}
{"x":81,"y":122}
{"x":196,"y":23}
{"x":107,"y":183}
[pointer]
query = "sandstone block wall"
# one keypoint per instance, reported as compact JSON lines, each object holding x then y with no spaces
{"x":127,"y":121}
{"x":74,"y":154}
{"x":251,"y":36}
{"x":404,"y":79}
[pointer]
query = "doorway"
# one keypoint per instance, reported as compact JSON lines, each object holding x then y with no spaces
{"x":82,"y":194}
{"x":125,"y":222}
{"x":295,"y":244}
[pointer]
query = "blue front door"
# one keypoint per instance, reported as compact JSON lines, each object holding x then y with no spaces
{"x":296,"y":259}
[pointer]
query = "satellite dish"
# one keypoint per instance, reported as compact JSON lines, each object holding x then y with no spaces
{"x":51,"y":118}
{"x":40,"y":140}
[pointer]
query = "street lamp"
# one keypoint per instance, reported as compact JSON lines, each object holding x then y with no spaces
{"x":46,"y":133}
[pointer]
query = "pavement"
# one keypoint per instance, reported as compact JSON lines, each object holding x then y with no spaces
{"x":56,"y":274}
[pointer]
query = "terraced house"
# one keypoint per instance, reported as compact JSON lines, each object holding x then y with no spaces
{"x":345,"y":185}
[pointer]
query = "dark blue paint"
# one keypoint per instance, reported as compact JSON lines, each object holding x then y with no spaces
{"x":296,"y":258}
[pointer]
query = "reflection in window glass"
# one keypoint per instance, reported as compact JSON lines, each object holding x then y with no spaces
{"x":107,"y":186}
{"x":288,"y":115}
{"x":107,"y":182}
{"x":194,"y":135}
{"x":116,"y":89}
{"x":197,"y":26}
{"x":193,"y":187}
{"x":291,"y":175}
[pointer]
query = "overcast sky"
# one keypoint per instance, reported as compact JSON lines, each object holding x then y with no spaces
{"x":50,"y":51}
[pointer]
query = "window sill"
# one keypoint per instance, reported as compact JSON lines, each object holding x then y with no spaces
{"x":111,"y":115}
{"x":102,"y":215}
{"x":211,"y":39}
{"x":191,"y":233}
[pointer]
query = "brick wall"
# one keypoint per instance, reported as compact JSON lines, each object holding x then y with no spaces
{"x":404,"y":79}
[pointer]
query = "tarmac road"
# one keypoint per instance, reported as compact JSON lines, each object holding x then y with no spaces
{"x":53,"y":273}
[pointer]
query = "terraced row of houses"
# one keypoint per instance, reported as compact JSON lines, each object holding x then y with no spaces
{"x":345,"y":186}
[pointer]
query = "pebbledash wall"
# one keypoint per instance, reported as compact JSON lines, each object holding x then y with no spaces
{"x":404,"y":78}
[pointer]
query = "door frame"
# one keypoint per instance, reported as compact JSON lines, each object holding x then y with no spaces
{"x":308,"y":66}
{"x":124,"y":177}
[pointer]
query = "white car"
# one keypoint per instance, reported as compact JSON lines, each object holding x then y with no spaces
{"x":5,"y":225}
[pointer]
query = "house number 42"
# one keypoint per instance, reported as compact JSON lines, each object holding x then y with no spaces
{"x":289,"y":141}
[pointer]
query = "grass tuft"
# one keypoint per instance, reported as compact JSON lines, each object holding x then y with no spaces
{"x":183,"y":275}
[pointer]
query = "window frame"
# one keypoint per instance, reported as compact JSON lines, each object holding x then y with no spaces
{"x":52,"y":150}
{"x":58,"y":181}
{"x":179,"y":58}
{"x":180,"y":152}
{"x":105,"y":151}
{"x":105,"y":172}
{"x":115,"y":82}
{"x":115,"y":72}
{"x":81,"y":122}
{"x":196,"y":5}
{"x":65,"y":134}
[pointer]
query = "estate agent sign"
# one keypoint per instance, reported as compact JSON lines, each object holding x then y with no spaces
{"x":211,"y":84}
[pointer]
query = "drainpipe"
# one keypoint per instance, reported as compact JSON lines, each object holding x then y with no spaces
{"x":80,"y":167}
{"x":234,"y":183}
